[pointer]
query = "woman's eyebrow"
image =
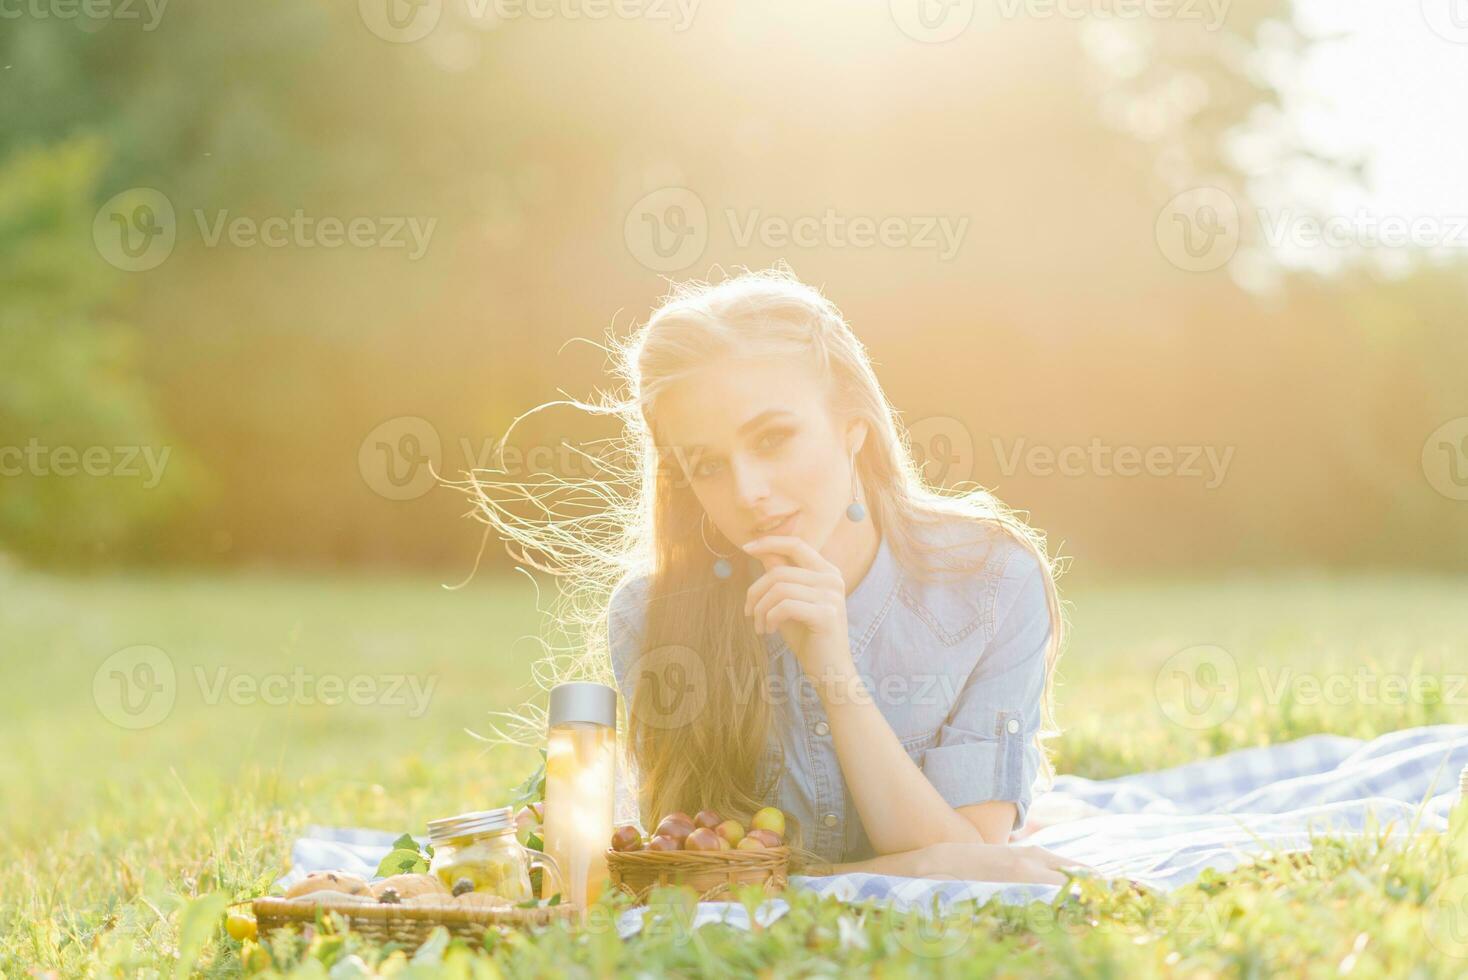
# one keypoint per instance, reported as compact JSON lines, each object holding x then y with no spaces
{"x":761,"y":419}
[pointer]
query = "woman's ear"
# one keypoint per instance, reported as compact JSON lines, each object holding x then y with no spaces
{"x":856,"y":436}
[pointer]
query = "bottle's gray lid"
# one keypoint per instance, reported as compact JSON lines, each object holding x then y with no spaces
{"x":582,"y":701}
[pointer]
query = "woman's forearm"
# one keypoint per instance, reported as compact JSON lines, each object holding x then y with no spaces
{"x":900,"y":809}
{"x":908,"y":864}
{"x":968,"y":862}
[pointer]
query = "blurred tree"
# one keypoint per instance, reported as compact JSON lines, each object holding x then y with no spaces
{"x":85,"y":464}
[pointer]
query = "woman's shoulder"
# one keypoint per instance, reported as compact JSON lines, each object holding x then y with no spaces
{"x":627,"y":608}
{"x":970,"y":573}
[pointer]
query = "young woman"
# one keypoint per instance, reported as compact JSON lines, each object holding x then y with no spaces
{"x":792,"y":616}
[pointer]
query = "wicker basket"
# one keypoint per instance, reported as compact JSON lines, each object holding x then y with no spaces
{"x":712,"y":874}
{"x":406,"y":924}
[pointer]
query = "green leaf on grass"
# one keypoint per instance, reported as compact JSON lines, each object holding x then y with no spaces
{"x":199,"y":920}
{"x":431,"y":952}
{"x":401,"y":862}
{"x":532,"y":790}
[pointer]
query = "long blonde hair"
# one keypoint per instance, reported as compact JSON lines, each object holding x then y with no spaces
{"x":636,"y":518}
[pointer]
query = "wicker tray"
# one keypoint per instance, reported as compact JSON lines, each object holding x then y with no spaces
{"x":713,"y":874}
{"x":406,"y":924}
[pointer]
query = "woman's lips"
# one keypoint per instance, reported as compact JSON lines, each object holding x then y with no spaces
{"x":784,"y":527}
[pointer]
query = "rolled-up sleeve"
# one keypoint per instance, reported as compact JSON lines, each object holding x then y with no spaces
{"x":988,"y":748}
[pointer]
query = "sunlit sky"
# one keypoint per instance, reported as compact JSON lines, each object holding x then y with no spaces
{"x":1390,"y":85}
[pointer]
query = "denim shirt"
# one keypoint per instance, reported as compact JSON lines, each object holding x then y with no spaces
{"x":956,"y":665}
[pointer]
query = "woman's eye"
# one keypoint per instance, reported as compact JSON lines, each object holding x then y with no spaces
{"x":772,"y":439}
{"x":705,"y":468}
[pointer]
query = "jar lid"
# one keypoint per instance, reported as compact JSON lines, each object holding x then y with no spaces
{"x":470,"y":824}
{"x":582,"y":701}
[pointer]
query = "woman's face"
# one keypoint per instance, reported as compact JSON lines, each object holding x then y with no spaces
{"x":761,"y":448}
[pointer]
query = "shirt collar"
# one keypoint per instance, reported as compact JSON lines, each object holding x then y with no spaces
{"x":866,"y":605}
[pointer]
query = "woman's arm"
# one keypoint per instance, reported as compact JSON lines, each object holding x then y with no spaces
{"x":994,"y":820}
{"x":968,"y":862}
{"x":901,"y":810}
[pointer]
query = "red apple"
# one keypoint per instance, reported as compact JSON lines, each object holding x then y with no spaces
{"x":707,"y":818}
{"x":662,"y":842}
{"x":724,"y":844}
{"x":703,"y":839}
{"x":731,"y":831}
{"x":752,"y":842}
{"x":680,"y":815}
{"x":676,"y":826}
{"x":766,"y":837}
{"x":626,"y":839}
{"x":771,"y":819}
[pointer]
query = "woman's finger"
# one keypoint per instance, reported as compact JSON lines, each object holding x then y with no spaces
{"x":792,"y":549}
{"x":792,"y":611}
{"x":784,"y":573}
{"x":777,"y":594}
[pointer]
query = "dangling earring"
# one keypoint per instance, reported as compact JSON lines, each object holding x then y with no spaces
{"x":856,"y":510}
{"x":722,"y":567}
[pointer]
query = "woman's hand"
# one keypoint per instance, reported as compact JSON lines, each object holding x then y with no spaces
{"x":803,"y":596}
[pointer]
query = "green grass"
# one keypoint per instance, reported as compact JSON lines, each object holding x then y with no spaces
{"x":118,"y":847}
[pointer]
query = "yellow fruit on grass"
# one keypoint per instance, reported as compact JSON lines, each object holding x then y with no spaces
{"x":254,"y":959}
{"x":240,"y":927}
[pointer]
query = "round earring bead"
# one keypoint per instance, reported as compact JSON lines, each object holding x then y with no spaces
{"x":722,"y":568}
{"x":857,"y":511}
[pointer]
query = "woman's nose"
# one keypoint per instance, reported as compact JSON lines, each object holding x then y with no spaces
{"x":751,"y":484}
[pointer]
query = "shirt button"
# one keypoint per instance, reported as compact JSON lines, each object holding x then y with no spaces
{"x":1012,"y":726}
{"x":829,"y":820}
{"x":822,"y":728}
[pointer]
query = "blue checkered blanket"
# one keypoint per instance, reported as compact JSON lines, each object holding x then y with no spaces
{"x":1161,"y":829}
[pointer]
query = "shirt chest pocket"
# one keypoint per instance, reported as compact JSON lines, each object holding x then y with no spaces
{"x":948,"y":615}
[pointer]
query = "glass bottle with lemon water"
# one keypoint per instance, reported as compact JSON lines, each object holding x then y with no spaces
{"x":580,"y":786}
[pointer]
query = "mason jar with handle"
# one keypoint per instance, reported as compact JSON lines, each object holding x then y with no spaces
{"x":580,"y":786}
{"x":481,"y":847}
